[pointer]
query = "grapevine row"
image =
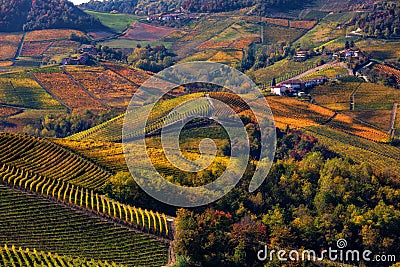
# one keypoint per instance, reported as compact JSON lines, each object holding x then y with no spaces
{"x":45,"y":158}
{"x":30,"y":258}
{"x":84,"y":198}
{"x":31,"y":221}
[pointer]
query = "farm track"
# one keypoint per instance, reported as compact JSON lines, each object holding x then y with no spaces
{"x":19,"y":50}
{"x":393,"y":118}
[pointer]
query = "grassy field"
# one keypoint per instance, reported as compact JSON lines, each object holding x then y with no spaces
{"x":116,"y":22}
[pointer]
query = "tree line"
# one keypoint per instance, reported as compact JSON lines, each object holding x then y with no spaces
{"x":28,"y":15}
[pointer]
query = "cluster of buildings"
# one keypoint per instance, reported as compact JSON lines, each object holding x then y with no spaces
{"x":85,"y":52}
{"x":171,"y":16}
{"x":348,"y":54}
{"x":296,"y":87}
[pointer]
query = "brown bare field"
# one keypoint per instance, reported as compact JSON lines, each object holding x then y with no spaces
{"x":50,"y":35}
{"x":9,"y":43}
{"x":144,"y":32}
{"x":61,"y":86}
{"x":35,"y":49}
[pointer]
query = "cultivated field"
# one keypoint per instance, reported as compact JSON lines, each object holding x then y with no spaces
{"x":382,"y":158}
{"x":105,"y":84}
{"x":145,"y":32}
{"x":34,"y":49}
{"x":9,"y":43}
{"x":20,"y":89}
{"x":35,"y":222}
{"x":50,"y":35}
{"x":69,"y":93}
{"x":8,"y":111}
{"x":46,"y":159}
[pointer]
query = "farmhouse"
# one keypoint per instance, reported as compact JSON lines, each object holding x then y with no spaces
{"x":348,"y":54}
{"x":293,"y":84}
{"x":80,"y":60}
{"x":294,"y":87}
{"x":91,"y":49}
{"x":301,"y":56}
{"x":278,"y":90}
{"x":315,"y":82}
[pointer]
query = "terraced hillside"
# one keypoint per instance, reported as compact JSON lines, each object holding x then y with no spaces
{"x":45,"y":158}
{"x":112,"y":130}
{"x":287,"y":111}
{"x":31,"y":221}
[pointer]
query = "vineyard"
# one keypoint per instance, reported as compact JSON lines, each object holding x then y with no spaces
{"x":372,"y":96}
{"x":20,"y":89}
{"x":283,"y":70}
{"x":31,"y":258}
{"x":107,"y":85}
{"x":389,"y":71}
{"x":69,"y":92}
{"x":144,"y":32}
{"x":87,"y":199}
{"x":382,"y":158}
{"x":9,"y":44}
{"x":322,"y":33}
{"x":59,"y":49}
{"x":276,"y":34}
{"x":7,"y":111}
{"x":226,"y":57}
{"x":35,"y":222}
{"x":335,"y":96}
{"x":299,"y":24}
{"x":50,"y":35}
{"x":34,"y":49}
{"x":45,"y":158}
{"x":111,"y":130}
